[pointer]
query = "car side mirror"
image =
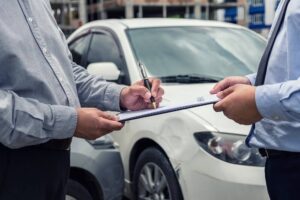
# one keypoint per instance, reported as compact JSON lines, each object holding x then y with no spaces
{"x":107,"y":70}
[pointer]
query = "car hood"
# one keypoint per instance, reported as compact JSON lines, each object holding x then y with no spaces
{"x":178,"y":93}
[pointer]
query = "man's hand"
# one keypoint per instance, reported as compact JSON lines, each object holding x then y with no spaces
{"x":93,"y":123}
{"x":137,"y":96}
{"x":238,"y":104}
{"x":228,"y":82}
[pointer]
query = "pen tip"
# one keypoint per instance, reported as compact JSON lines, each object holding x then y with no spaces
{"x":154,"y":105}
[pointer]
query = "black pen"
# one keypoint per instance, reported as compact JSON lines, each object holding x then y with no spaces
{"x":146,"y":82}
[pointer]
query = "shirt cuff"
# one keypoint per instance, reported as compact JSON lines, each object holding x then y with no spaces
{"x":268,"y":102}
{"x":62,"y":122}
{"x":251,"y":78}
{"x":112,"y":97}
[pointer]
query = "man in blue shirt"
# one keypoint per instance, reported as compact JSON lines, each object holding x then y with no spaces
{"x":41,"y":94}
{"x":271,"y":100}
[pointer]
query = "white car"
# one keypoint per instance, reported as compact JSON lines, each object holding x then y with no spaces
{"x":192,"y":154}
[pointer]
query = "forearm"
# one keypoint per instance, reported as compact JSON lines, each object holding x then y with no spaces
{"x":279,"y":102}
{"x":96,"y":92}
{"x":26,"y":122}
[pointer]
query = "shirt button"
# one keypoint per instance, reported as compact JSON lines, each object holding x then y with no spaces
{"x":60,"y":79}
{"x":45,"y":51}
{"x":30,"y":19}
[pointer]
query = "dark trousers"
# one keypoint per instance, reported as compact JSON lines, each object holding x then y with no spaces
{"x":283,"y":177}
{"x":33,"y":173}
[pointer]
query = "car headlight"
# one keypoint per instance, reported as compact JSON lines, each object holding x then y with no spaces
{"x":229,"y":148}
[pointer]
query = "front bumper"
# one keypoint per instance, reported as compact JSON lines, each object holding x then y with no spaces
{"x":205,"y":177}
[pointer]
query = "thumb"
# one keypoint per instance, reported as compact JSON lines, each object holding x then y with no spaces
{"x":218,"y":107}
{"x":107,"y":116}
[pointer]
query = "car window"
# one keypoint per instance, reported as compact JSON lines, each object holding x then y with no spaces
{"x":103,"y":48}
{"x":78,"y":48}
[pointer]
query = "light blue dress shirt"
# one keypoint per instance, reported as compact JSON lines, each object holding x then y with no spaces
{"x":278,"y":100}
{"x":40,"y":86}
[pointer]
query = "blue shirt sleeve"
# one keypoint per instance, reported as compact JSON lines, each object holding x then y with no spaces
{"x":280,"y":101}
{"x":252,"y":78}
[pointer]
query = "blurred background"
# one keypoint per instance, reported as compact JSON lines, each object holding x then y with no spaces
{"x":254,"y":14}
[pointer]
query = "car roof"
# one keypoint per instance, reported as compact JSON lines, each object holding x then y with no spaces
{"x":136,"y":23}
{"x":160,"y":22}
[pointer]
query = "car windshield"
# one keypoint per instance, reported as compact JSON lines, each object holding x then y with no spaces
{"x":197,"y":53}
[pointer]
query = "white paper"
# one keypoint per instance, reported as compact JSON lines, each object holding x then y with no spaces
{"x":201,"y":101}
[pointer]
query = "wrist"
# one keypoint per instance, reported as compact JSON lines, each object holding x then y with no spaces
{"x":123,"y":95}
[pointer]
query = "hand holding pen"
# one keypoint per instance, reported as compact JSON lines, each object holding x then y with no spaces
{"x":144,"y":94}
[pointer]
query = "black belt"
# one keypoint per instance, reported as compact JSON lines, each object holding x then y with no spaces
{"x":52,"y":144}
{"x":57,"y":144}
{"x":276,"y":153}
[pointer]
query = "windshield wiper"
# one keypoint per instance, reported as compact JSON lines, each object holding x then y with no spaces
{"x":189,"y":79}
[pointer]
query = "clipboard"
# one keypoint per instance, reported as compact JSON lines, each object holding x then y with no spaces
{"x":201,"y":101}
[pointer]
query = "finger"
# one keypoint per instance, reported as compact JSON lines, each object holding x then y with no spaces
{"x":155,"y":85}
{"x":225,"y":92}
{"x":141,"y":91}
{"x":228,"y":91}
{"x":160,"y":93}
{"x":220,"y":86}
{"x":107,"y":115}
{"x":113,"y":117}
{"x":219,"y":107}
{"x":140,"y":83}
{"x":158,"y":100}
{"x":110,"y":125}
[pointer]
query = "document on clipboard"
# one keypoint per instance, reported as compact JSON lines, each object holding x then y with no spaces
{"x":201,"y":101}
